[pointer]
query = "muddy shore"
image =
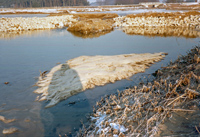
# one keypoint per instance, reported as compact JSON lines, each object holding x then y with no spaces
{"x":167,"y":106}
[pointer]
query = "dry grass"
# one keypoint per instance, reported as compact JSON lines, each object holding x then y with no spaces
{"x":88,"y":15}
{"x":163,"y":14}
{"x":143,"y":108}
{"x":96,"y":16}
{"x":57,"y":14}
{"x":89,"y":26}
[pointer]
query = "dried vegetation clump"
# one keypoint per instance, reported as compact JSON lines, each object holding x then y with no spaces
{"x":102,"y":16}
{"x":89,"y":24}
{"x":177,"y":19}
{"x":139,"y":111}
{"x":162,"y":31}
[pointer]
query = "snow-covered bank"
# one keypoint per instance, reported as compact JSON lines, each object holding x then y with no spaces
{"x":86,"y":72}
{"x":35,"y":23}
{"x":177,"y":19}
{"x":105,"y":22}
{"x":31,"y":10}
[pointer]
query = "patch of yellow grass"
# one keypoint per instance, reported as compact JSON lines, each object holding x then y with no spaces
{"x":163,"y":14}
{"x":91,"y":26}
{"x":96,"y":16}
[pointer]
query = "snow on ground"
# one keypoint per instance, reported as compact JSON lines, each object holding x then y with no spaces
{"x":191,"y":3}
{"x":101,"y":128}
{"x":30,"y":10}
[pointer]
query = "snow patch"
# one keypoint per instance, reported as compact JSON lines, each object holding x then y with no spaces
{"x":98,"y":122}
{"x":120,"y":128}
{"x":191,"y":3}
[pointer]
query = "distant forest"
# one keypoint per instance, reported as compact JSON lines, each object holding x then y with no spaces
{"x":41,"y":3}
{"x":53,"y":3}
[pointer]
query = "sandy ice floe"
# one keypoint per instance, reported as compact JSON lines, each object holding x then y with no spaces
{"x":86,"y":72}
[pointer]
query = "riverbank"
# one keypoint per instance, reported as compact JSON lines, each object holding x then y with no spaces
{"x":88,"y":24}
{"x":186,"y":22}
{"x":178,"y":19}
{"x":167,"y":106}
{"x":27,"y":24}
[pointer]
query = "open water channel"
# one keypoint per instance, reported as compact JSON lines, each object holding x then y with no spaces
{"x":23,"y":56}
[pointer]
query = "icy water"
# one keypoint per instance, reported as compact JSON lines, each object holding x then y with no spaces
{"x":23,"y":56}
{"x":136,"y":11}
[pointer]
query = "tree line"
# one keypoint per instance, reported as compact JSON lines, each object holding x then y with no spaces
{"x":42,"y":3}
{"x":119,"y":2}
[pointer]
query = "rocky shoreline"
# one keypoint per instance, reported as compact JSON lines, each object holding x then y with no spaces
{"x":154,"y":108}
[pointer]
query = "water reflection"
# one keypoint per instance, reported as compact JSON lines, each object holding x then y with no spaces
{"x":35,"y":33}
{"x":144,"y":31}
{"x":162,"y":32}
{"x":14,"y":35}
{"x":22,"y":58}
{"x":66,"y":117}
{"x":90,"y":35}
{"x":63,"y":118}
